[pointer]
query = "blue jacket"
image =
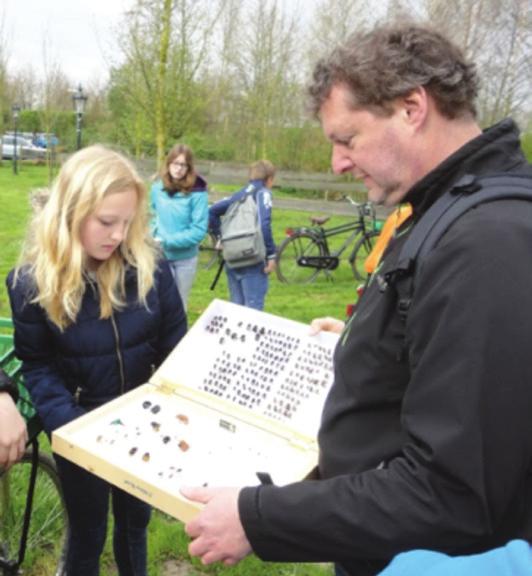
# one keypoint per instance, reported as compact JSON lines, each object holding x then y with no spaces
{"x":514,"y":559}
{"x":263,"y":198}
{"x":93,"y":360}
{"x":180,"y":220}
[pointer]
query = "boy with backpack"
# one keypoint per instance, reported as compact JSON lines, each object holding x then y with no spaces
{"x":242,"y":223}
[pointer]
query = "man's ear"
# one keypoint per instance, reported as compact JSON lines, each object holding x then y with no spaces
{"x":415,"y":106}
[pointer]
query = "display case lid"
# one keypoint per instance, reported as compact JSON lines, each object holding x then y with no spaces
{"x":253,"y":366}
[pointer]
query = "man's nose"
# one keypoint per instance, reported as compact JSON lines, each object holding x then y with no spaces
{"x":340,"y":161}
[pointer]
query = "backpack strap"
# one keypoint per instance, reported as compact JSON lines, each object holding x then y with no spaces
{"x":250,"y":190}
{"x":467,"y":193}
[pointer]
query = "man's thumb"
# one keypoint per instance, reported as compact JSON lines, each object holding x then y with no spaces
{"x":196,"y":493}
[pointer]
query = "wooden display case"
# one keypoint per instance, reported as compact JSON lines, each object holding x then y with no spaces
{"x":237,"y":402}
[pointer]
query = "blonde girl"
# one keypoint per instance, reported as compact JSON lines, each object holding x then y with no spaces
{"x":94,"y":312}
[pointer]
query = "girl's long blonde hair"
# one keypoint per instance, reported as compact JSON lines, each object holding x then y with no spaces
{"x":53,"y":254}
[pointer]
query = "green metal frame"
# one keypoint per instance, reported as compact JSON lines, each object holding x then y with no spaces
{"x":8,"y":361}
{"x":11,"y":366}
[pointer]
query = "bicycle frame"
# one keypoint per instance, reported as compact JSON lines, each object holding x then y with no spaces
{"x":11,"y":567}
{"x":322,"y":234}
{"x":357,"y":228}
{"x":316,"y":253}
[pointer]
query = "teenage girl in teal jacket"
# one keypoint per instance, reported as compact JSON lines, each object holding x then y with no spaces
{"x":180,"y":205}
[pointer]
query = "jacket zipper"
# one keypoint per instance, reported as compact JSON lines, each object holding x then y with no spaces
{"x":119,"y":355}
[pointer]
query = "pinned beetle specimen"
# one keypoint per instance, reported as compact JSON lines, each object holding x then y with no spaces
{"x":182,"y":418}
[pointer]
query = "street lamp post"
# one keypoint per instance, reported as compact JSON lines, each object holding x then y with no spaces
{"x":15,"y":109}
{"x":80,"y":100}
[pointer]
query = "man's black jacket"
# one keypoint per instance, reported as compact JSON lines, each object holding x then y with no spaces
{"x":426,"y":437}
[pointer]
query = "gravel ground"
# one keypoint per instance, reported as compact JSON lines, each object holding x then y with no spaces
{"x":177,"y":568}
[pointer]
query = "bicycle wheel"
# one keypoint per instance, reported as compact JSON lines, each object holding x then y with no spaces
{"x":208,"y":255}
{"x":300,"y":244}
{"x":360,"y":252}
{"x":48,"y":532}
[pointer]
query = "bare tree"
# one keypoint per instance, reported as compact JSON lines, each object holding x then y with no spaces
{"x":498,"y":38}
{"x":334,"y":21}
{"x":222,"y":73}
{"x":165,"y":44}
{"x":508,"y":72}
{"x":23,"y":88}
{"x":3,"y":81}
{"x":268,"y":65}
{"x":162,"y":67}
{"x":54,"y":97}
{"x":3,"y":76}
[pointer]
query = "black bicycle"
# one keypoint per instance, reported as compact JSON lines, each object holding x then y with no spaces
{"x":209,"y":255}
{"x":34,"y":524}
{"x":305,"y":252}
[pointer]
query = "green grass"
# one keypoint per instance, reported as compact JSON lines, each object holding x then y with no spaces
{"x":303,"y":303}
{"x":324,"y":297}
{"x":14,"y":214}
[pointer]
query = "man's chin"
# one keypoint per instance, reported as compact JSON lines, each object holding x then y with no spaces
{"x":377,"y":196}
{"x":388,"y":198}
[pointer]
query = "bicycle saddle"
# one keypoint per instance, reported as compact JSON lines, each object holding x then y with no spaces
{"x":319,"y":220}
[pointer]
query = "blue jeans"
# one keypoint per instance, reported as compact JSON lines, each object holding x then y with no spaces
{"x":184,"y":272}
{"x":87,"y":504}
{"x":248,"y":285}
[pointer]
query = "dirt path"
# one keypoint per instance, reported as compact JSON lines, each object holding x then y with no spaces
{"x":177,"y":568}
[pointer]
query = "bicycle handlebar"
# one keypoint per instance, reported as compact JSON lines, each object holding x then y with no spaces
{"x":365,"y":208}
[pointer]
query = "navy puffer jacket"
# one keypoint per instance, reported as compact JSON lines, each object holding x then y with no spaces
{"x":93,"y":360}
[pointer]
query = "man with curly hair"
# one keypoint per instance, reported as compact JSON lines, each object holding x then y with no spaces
{"x":426,"y":435}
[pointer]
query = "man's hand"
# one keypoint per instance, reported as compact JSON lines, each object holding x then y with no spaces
{"x":327,"y":324}
{"x":270,"y":266}
{"x":217,"y":533}
{"x":13,"y":434}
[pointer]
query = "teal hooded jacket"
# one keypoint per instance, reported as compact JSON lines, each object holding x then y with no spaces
{"x":180,"y":220}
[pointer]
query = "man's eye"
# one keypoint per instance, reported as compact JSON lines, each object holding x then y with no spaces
{"x":347,"y":142}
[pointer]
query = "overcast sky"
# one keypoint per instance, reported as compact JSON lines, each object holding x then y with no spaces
{"x":77,"y":33}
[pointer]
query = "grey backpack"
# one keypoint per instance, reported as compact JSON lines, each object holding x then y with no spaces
{"x":241,"y":233}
